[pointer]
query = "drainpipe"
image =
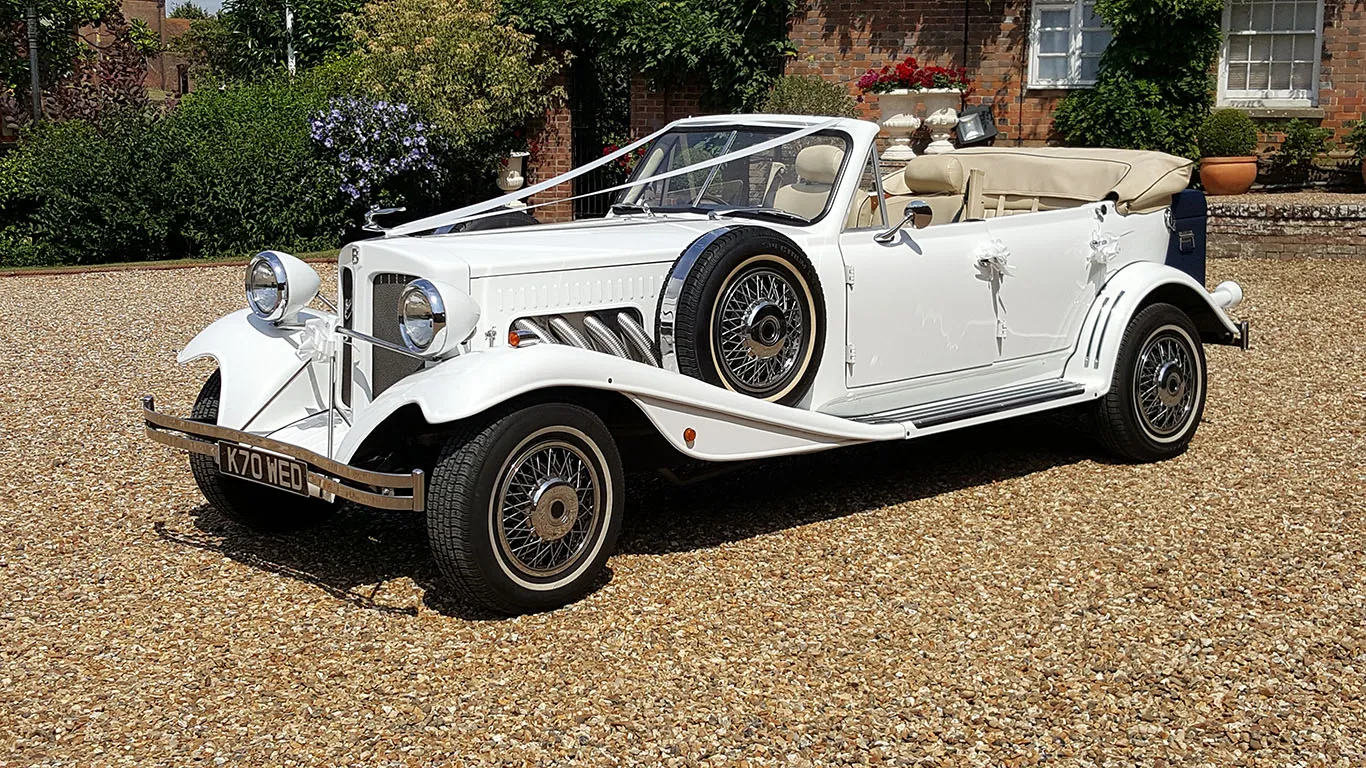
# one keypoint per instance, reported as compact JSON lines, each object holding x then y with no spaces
{"x":35,"y":87}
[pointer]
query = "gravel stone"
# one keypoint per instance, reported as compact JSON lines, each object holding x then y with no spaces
{"x":1003,"y":597}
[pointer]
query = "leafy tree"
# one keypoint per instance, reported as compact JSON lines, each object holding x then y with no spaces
{"x":258,"y":40}
{"x":188,"y":10}
{"x":475,"y":77}
{"x":1154,"y":88}
{"x":734,"y":48}
{"x":99,"y":78}
{"x":60,"y":47}
{"x":207,"y":46}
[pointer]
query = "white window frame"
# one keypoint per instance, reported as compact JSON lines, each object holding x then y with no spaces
{"x":1272,"y":99}
{"x":1074,"y":48}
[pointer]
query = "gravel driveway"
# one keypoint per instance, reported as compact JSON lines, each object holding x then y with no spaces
{"x":1001,"y":597}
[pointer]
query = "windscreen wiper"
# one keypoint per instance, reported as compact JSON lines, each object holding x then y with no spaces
{"x":757,"y":211}
{"x":640,"y":207}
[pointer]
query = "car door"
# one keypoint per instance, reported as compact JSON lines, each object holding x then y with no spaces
{"x":1047,"y":286}
{"x":918,"y":305}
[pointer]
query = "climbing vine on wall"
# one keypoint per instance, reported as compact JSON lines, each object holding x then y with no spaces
{"x":1156,"y":79}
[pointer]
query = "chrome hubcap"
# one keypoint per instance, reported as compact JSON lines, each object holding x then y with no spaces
{"x":1165,"y":385}
{"x":549,"y":500}
{"x":760,"y":330}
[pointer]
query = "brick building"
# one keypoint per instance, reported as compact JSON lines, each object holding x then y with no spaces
{"x":1281,"y":58}
{"x":167,"y":74}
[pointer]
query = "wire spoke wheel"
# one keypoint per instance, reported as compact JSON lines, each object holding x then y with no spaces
{"x":1164,"y":389}
{"x":546,"y":507}
{"x":760,"y":330}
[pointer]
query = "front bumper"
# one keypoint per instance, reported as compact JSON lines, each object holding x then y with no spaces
{"x":325,"y":477}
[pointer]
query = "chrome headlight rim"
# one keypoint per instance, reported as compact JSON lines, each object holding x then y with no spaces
{"x":281,"y":286}
{"x":436,"y":309}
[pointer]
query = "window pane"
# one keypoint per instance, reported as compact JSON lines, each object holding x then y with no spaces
{"x":1095,"y":42}
{"x":1280,"y":77}
{"x":1305,"y":48}
{"x":1303,"y":77}
{"x":1241,"y":17}
{"x":1258,"y":77}
{"x":1237,"y":77}
{"x":1261,"y":16}
{"x":1307,"y":16}
{"x":1238,"y":49}
{"x":1053,"y":42}
{"x":1089,"y":17}
{"x":1283,"y":16}
{"x":1261,"y":48}
{"x":1090,"y":68}
{"x":1059,"y":19}
{"x":1283,"y":48}
{"x":1052,"y":68}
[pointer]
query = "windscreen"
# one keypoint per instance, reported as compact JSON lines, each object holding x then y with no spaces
{"x":798,"y":176}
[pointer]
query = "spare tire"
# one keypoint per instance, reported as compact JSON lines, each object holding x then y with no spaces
{"x":743,"y":309}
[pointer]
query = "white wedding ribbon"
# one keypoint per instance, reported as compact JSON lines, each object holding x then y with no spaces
{"x":492,"y":207}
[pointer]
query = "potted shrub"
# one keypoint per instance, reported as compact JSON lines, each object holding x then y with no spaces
{"x":1356,"y":141}
{"x":1302,"y":144}
{"x":900,"y":88}
{"x":1228,"y":146}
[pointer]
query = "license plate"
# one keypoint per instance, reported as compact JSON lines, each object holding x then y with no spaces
{"x":264,"y":468}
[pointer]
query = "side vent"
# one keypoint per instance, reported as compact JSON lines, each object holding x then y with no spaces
{"x":617,"y":333}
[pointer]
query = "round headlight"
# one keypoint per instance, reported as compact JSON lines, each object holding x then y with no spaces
{"x":422,"y":316}
{"x":267,"y":286}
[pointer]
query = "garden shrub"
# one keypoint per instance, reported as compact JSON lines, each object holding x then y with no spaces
{"x":227,"y":172}
{"x":1154,"y":87}
{"x":82,"y":192}
{"x":1303,"y":144}
{"x":385,"y":151}
{"x":1356,"y":139}
{"x":1228,"y":133}
{"x":804,"y":95}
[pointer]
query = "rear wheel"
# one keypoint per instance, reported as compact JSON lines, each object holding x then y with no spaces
{"x":524,"y":507}
{"x":1157,"y":395}
{"x":254,"y":506}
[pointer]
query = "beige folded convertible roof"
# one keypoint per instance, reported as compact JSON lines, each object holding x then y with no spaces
{"x":1138,"y":181}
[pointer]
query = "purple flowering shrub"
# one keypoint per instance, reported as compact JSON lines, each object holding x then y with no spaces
{"x":387,"y":154}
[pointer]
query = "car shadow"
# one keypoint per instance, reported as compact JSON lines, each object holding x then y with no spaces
{"x":357,"y":552}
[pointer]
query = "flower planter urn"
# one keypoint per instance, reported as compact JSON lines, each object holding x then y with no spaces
{"x":941,"y":106}
{"x":1228,"y":175}
{"x":900,"y":123}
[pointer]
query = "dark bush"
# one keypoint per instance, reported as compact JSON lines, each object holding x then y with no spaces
{"x":1302,"y":145}
{"x":1228,"y":133}
{"x":227,"y":172}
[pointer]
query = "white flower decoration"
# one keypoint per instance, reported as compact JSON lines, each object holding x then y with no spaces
{"x":993,"y":258}
{"x":317,"y":340}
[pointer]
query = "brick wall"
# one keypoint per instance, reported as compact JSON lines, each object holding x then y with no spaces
{"x":1243,"y":227}
{"x":653,"y":109}
{"x":551,"y":138}
{"x":838,"y":40}
{"x":163,"y":70}
{"x":1343,"y":69}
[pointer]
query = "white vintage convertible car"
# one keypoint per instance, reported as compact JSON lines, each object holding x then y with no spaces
{"x":761,"y":288}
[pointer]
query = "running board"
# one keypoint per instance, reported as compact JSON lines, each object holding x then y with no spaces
{"x":972,"y":406}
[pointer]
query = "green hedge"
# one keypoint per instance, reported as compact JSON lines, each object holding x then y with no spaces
{"x":227,"y":172}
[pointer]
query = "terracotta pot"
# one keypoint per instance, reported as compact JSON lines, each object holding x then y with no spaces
{"x":1228,"y":175}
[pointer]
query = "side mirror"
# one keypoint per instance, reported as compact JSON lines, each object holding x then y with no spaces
{"x":918,"y":213}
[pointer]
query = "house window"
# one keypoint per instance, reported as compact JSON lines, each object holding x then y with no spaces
{"x":1271,"y":53}
{"x":1067,"y":40}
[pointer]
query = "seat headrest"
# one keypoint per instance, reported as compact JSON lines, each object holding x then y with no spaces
{"x":819,"y":164}
{"x":934,"y":175}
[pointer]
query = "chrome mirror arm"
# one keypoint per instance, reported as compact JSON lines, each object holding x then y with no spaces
{"x":918,"y":213}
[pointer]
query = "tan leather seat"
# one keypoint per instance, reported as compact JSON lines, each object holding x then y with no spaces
{"x":939,"y":180}
{"x":817,"y":169}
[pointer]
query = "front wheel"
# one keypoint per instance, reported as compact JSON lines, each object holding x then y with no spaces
{"x":242,"y":501}
{"x":524,"y":507}
{"x":1157,"y":395}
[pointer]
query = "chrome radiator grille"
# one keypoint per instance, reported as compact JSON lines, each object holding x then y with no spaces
{"x":387,"y":367}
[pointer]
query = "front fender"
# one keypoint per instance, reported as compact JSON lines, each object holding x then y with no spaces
{"x":1130,"y":289}
{"x":258,"y":363}
{"x":729,"y":426}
